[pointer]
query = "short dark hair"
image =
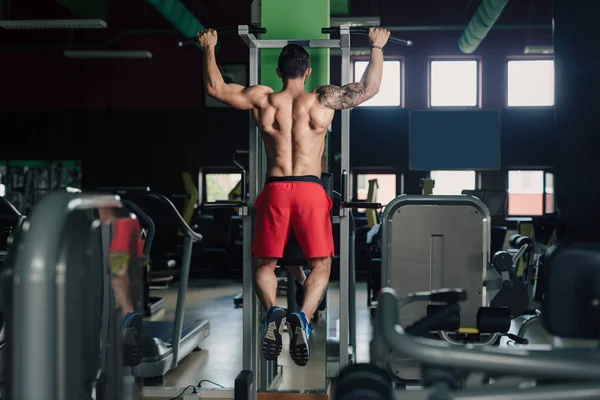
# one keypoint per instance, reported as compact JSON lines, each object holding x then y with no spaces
{"x":293,"y":61}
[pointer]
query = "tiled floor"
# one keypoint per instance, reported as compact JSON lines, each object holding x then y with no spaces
{"x":221,"y":358}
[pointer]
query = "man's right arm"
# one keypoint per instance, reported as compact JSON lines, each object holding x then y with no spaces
{"x":353,"y":94}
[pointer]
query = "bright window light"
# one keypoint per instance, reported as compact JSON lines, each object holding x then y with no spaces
{"x":389,"y":93}
{"x":452,"y":182}
{"x":386,"y":183}
{"x":454,"y":83}
{"x":530,"y":83}
{"x":219,"y":185}
{"x":526,"y":192}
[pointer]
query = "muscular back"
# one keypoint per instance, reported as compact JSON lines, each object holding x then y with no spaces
{"x":293,"y":127}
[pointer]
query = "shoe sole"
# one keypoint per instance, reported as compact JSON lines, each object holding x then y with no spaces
{"x":272,"y":342}
{"x":299,"y":351}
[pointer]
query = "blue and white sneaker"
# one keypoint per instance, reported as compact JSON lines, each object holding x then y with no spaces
{"x":300,"y":331}
{"x":272,"y":331}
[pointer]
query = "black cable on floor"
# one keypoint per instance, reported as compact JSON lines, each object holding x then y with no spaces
{"x":209,"y":381}
{"x":182,"y":393}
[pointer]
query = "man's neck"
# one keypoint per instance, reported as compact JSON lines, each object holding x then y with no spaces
{"x":293,"y":85}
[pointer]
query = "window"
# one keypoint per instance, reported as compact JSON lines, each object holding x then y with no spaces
{"x":389,"y":93}
{"x":530,"y":193}
{"x":530,"y":83}
{"x":452,"y":182}
{"x":219,"y":185}
{"x":386,"y":183}
{"x":454,"y":83}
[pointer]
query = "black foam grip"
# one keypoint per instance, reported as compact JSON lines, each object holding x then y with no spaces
{"x":451,"y":322}
{"x":517,"y":241}
{"x":493,"y":319}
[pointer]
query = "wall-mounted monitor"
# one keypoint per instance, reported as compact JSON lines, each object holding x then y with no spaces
{"x":454,"y":140}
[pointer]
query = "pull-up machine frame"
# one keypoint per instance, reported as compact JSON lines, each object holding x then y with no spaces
{"x":256,"y":177}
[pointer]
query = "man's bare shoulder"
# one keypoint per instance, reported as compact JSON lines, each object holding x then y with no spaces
{"x":259,"y":94}
{"x":260,"y":90}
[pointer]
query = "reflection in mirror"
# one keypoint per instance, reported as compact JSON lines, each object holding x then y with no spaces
{"x":70,"y":326}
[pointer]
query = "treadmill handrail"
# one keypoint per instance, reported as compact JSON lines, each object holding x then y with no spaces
{"x":183,"y":226}
{"x":147,"y":221}
{"x":35,"y":308}
{"x":11,"y":206}
{"x":564,"y":364}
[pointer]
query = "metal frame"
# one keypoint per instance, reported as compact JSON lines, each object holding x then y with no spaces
{"x":577,"y":369}
{"x":40,"y":294}
{"x":256,"y":176}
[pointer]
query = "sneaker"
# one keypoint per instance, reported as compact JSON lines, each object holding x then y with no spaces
{"x":273,"y":329}
{"x":300,"y":294}
{"x":132,"y":339}
{"x":300,"y":331}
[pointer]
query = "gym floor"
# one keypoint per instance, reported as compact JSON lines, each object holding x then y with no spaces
{"x":221,"y":358}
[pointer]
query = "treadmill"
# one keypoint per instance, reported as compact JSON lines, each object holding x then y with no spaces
{"x":166,"y":343}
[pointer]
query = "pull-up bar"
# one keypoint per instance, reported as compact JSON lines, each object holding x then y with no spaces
{"x":223,"y":31}
{"x":365,"y":31}
{"x":305,"y":43}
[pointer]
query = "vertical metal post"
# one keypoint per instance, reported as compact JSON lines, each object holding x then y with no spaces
{"x":250,"y":318}
{"x":352,"y":285}
{"x":181,"y":293}
{"x":344,"y":213}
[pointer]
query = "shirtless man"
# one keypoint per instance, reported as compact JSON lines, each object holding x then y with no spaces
{"x":293,"y":123}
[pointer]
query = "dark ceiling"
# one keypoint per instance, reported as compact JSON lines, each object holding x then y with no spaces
{"x":139,"y":15}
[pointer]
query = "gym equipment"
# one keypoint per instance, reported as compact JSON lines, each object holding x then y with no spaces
{"x":64,"y":329}
{"x":431,"y":242}
{"x":11,"y":220}
{"x":152,"y":304}
{"x":354,"y":30}
{"x":166,"y":343}
{"x":569,"y":369}
{"x":152,"y":279}
{"x":27,"y":181}
{"x":222,"y":31}
{"x":512,"y":291}
{"x":561,"y":373}
{"x":256,"y":173}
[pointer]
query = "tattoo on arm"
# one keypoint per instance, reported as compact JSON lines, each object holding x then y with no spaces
{"x":341,"y":98}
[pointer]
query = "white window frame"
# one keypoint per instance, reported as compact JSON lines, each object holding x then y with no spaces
{"x":453,"y":59}
{"x":521,"y":58}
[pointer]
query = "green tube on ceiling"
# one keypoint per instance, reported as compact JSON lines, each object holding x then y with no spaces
{"x":484,"y":19}
{"x":179,"y":16}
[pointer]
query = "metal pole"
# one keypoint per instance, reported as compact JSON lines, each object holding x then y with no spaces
{"x":181,"y":293}
{"x":344,"y":213}
{"x":352,"y":291}
{"x":250,"y":318}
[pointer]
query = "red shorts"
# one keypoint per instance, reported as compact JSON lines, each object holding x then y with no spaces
{"x":299,"y":202}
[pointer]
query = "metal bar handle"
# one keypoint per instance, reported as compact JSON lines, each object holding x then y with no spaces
{"x":365,"y":31}
{"x":223,"y":31}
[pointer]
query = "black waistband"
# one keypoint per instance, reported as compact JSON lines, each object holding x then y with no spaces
{"x":303,"y":178}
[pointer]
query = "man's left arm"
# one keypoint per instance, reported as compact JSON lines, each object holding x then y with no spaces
{"x":232,"y":94}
